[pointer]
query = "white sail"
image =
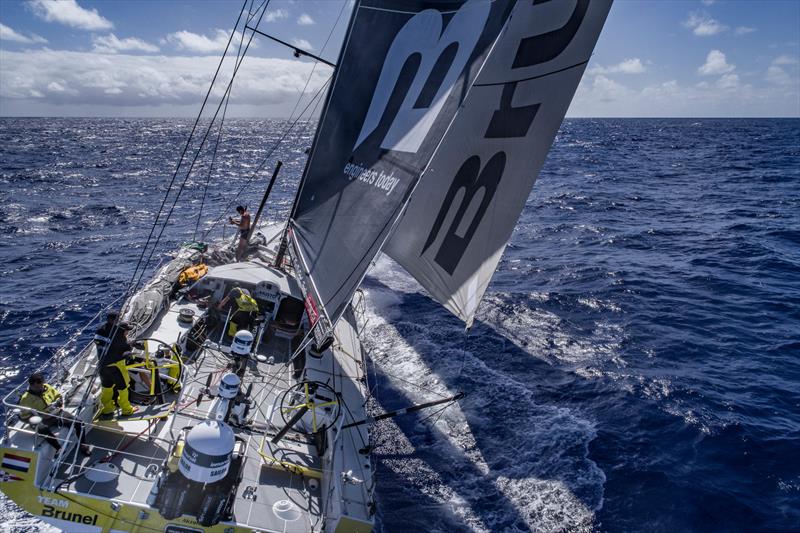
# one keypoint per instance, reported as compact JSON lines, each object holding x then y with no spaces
{"x":464,"y":209}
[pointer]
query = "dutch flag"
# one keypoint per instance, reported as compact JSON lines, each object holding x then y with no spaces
{"x":16,"y":462}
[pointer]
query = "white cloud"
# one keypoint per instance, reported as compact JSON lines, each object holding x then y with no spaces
{"x":785,"y":60}
{"x":112,"y":44}
{"x":725,"y":96}
{"x":194,"y":42}
{"x":716,"y":63}
{"x":776,"y":73}
{"x":628,"y":66}
{"x":305,"y":20}
{"x":68,"y":12}
{"x":744,"y":30}
{"x":60,"y":87}
{"x":662,"y":91}
{"x":703,"y":25}
{"x":8,"y":34}
{"x":94,"y":79}
{"x":606,"y":90}
{"x":302,"y":43}
{"x":728,"y":81}
{"x":777,"y":76}
{"x":708,"y":2}
{"x":631,"y":66}
{"x":272,"y":16}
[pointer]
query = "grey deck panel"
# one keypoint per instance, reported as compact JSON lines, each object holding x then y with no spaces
{"x":344,"y":372}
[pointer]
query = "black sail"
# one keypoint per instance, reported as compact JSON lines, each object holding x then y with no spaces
{"x":405,"y":69}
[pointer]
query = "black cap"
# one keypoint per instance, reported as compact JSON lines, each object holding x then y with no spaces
{"x":112,"y":316}
{"x":36,"y":377}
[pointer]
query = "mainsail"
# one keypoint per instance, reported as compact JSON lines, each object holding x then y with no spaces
{"x":404,"y":70}
{"x":463,"y":211}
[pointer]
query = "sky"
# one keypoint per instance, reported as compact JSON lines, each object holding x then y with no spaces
{"x":139,"y":58}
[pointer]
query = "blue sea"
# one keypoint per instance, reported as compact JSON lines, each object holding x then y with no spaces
{"x":635,"y":365}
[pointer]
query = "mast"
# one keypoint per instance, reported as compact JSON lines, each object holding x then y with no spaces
{"x":284,"y":242}
{"x":264,"y":199}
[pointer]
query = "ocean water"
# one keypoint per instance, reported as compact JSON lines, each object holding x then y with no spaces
{"x":635,"y":365}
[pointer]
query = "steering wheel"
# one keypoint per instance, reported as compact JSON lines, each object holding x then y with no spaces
{"x":324,"y":413}
{"x":172,"y":348}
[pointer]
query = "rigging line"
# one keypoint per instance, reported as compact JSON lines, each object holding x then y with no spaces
{"x":266,"y":158}
{"x":194,"y":160}
{"x":183,"y":153}
{"x":237,"y":63}
{"x":255,"y":173}
{"x":407,"y":382}
{"x":260,"y":167}
{"x":438,"y":412}
{"x":219,"y":133}
{"x":309,"y":159}
{"x":210,"y":172}
{"x":291,"y":115}
{"x":463,"y":356}
{"x":297,"y":50}
{"x":316,"y":63}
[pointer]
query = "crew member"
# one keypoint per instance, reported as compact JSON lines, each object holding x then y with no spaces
{"x":244,"y":309}
{"x":112,"y":351}
{"x":45,"y":399}
{"x":243,"y":223}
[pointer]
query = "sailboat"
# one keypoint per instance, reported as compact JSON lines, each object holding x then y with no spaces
{"x":438,"y":118}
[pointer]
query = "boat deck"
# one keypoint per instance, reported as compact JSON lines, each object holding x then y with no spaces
{"x":130,"y":452}
{"x":263,"y":484}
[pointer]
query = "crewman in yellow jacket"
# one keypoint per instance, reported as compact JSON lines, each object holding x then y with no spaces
{"x":244,"y":309}
{"x":44,"y":400}
{"x":112,"y":350}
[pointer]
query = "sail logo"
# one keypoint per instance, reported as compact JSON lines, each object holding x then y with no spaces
{"x":480,"y":183}
{"x":472,"y":179}
{"x":376,"y":178}
{"x":442,"y":56}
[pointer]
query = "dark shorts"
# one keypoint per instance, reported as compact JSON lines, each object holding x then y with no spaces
{"x":243,"y":320}
{"x":111,"y":376}
{"x":243,"y":234}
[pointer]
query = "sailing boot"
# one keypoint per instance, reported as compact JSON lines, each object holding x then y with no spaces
{"x":125,"y":404}
{"x":107,"y":400}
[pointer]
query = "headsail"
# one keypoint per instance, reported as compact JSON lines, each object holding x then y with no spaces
{"x":463,"y":212}
{"x":404,"y":70}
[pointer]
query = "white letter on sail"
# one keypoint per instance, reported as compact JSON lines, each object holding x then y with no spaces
{"x":423,"y":35}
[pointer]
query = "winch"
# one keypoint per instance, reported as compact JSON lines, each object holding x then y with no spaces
{"x":240,"y":350}
{"x":207,"y":452}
